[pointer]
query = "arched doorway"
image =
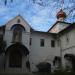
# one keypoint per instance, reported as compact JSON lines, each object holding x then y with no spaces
{"x":16,"y":54}
{"x":57,"y":63}
{"x":70,"y":62}
{"x":15,"y":59}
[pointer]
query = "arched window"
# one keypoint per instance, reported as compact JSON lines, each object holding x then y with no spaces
{"x":17,"y":32}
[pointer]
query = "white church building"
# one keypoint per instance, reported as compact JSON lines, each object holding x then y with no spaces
{"x":25,"y":47}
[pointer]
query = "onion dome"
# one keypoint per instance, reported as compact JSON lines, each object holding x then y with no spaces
{"x":61,"y":14}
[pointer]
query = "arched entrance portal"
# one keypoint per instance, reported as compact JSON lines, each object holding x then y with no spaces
{"x":70,"y":62}
{"x":15,"y":59}
{"x":16,"y":56}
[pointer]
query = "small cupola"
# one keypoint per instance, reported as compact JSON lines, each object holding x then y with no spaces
{"x":61,"y":15}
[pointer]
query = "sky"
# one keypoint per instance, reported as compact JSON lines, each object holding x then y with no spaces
{"x":40,"y":15}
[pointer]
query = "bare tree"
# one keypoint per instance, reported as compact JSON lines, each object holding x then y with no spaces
{"x":70,"y":8}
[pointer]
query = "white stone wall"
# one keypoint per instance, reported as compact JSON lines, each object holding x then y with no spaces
{"x":71,"y":36}
{"x":67,"y":46}
{"x":8,"y":38}
{"x":42,"y":54}
{"x":26,"y":39}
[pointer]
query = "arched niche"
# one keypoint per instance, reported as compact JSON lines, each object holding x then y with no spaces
{"x":17,"y":32}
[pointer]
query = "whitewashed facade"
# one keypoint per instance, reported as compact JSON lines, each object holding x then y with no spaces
{"x":33,"y":51}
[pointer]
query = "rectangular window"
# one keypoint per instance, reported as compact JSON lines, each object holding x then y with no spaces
{"x":52,"y":43}
{"x":30,"y":41}
{"x":42,"y":42}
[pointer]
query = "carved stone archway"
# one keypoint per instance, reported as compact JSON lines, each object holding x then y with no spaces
{"x":16,"y":56}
